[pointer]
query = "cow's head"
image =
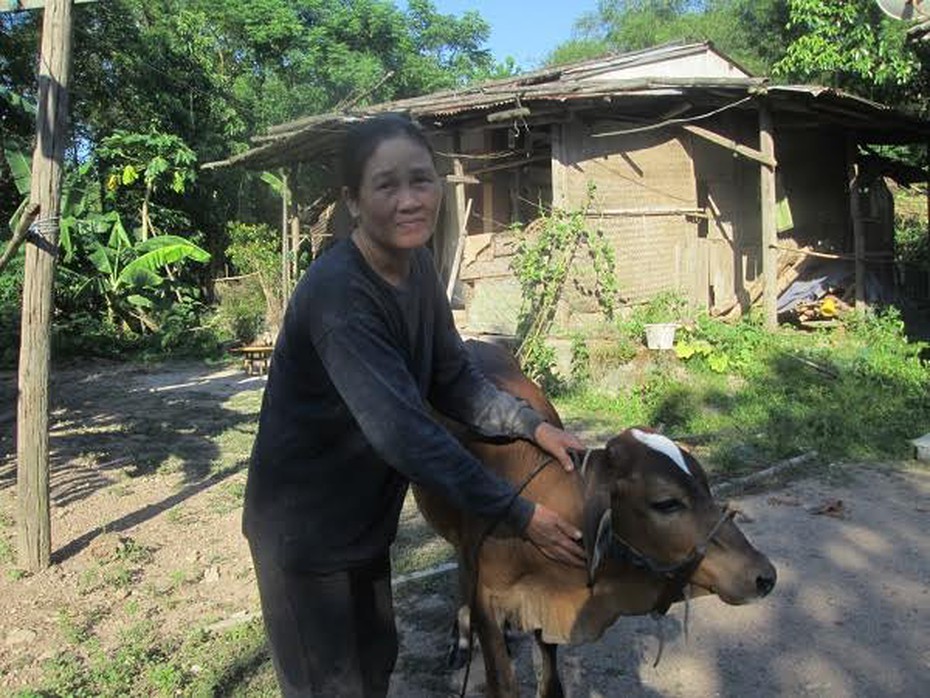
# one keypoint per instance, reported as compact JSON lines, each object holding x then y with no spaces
{"x":648,"y":499}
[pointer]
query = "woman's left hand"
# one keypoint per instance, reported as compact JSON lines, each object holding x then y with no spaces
{"x":556,"y":443}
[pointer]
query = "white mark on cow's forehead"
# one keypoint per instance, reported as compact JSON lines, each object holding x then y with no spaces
{"x":663,"y":445}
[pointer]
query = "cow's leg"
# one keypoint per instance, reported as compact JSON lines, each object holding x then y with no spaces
{"x":548,"y":684}
{"x":460,"y":636}
{"x":459,"y":639}
{"x":500,"y":679}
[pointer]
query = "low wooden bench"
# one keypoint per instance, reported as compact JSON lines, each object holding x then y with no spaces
{"x":255,"y":358}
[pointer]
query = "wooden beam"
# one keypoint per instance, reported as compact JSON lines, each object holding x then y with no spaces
{"x":730,"y":144}
{"x":767,"y":211}
{"x":462,"y":179}
{"x":855,"y":215}
{"x":509,"y":165}
{"x":508,"y":115}
{"x":878,"y":257}
{"x":20,"y":5}
{"x":32,"y":474}
{"x":636,"y":212}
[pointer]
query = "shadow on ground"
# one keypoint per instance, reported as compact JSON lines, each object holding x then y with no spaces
{"x":111,"y":421}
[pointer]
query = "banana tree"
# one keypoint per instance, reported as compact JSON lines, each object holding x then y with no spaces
{"x":128,"y":275}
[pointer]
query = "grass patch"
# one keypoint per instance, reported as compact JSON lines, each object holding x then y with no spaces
{"x":757,"y":397}
{"x":231,"y":663}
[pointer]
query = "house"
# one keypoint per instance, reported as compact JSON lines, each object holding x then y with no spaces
{"x":706,"y":177}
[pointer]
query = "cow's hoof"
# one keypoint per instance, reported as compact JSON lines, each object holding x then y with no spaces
{"x":457,"y":653}
{"x":456,"y":657}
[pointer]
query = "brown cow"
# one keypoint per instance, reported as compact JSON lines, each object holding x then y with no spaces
{"x":652,"y":532}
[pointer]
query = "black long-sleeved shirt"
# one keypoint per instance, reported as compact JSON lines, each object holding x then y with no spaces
{"x":346,"y":422}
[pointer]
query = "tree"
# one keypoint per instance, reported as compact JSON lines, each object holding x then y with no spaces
{"x":852,"y":45}
{"x":750,"y":31}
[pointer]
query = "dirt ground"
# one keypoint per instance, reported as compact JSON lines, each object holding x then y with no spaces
{"x":147,"y":478}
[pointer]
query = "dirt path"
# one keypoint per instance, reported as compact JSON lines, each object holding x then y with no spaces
{"x":147,"y":482}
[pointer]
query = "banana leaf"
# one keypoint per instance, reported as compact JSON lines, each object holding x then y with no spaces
{"x":20,"y":167}
{"x":157,"y":253}
{"x":276,"y":183}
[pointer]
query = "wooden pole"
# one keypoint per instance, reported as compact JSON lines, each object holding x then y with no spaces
{"x":769,"y":232}
{"x":855,"y":214}
{"x":285,"y":268}
{"x":33,"y":524}
{"x":459,"y":251}
{"x":294,"y":223}
{"x":459,"y":223}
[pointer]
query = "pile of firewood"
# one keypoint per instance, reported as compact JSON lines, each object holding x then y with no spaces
{"x":830,"y":307}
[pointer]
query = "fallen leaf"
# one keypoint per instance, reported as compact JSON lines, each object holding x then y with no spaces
{"x":783,"y":501}
{"x":832,"y":507}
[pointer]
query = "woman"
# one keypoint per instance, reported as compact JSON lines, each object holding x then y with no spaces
{"x":367,"y":348}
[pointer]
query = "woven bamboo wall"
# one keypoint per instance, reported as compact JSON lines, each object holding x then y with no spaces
{"x":650,"y":172}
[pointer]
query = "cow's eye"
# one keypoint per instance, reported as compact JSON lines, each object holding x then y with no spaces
{"x":668,"y":506}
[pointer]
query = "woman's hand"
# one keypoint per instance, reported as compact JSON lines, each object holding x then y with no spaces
{"x":555,"y":537}
{"x":556,"y":443}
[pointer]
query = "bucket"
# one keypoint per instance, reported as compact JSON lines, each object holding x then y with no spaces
{"x":660,"y":335}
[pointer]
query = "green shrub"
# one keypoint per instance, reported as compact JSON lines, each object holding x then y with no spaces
{"x":240,"y":313}
{"x":11,"y":292}
{"x":911,"y":242}
{"x":580,"y":361}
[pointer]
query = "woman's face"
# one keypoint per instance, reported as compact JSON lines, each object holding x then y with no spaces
{"x":399,"y":195}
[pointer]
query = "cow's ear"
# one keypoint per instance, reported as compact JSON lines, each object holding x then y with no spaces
{"x":620,"y":454}
{"x":596,"y":519}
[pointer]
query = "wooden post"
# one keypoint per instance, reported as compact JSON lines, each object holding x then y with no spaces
{"x":769,"y":232}
{"x":459,"y":223}
{"x":457,"y":259}
{"x":294,"y":231}
{"x":285,"y":267}
{"x":487,"y":191}
{"x":855,"y":214}
{"x":32,"y":494}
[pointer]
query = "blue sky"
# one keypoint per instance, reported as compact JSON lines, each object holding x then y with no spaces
{"x":525,"y":29}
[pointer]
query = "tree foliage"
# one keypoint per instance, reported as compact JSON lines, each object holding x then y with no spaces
{"x":159,"y":86}
{"x":750,"y":31}
{"x":855,"y":46}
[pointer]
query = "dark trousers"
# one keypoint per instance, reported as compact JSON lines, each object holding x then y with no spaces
{"x":331,"y":635}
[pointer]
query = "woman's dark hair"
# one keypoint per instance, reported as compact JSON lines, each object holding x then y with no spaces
{"x":363,"y":139}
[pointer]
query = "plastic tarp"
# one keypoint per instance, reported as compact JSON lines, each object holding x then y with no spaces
{"x":823,"y":276}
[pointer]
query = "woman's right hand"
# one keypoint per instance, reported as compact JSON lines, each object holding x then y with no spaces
{"x":555,"y":537}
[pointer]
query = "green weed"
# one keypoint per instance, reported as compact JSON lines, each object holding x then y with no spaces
{"x":854,"y":394}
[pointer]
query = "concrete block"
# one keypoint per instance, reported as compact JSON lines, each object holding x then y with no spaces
{"x":922,"y":448}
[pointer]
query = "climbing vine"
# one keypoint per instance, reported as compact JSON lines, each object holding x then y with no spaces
{"x":548,"y":249}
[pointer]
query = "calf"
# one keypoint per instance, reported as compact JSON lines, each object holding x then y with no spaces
{"x":652,"y":532}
